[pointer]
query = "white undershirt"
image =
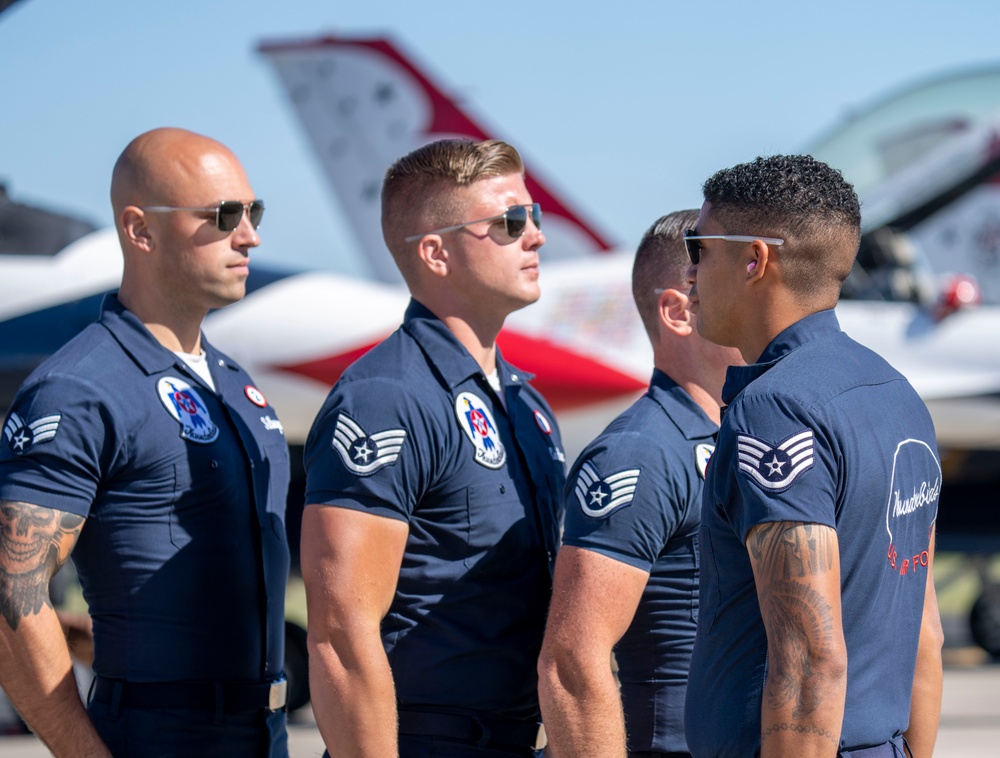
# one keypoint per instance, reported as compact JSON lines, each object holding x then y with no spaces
{"x":494,"y":380}
{"x":198,"y":364}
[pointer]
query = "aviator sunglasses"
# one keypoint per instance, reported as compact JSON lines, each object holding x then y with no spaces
{"x":691,"y":238}
{"x":228,"y":213}
{"x":515,"y":219}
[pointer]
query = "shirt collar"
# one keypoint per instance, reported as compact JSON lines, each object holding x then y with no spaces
{"x":802,"y":332}
{"x":686,"y":414}
{"x":140,"y":344}
{"x":448,"y":355}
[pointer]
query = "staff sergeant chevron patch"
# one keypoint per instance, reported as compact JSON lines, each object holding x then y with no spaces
{"x":365,"y":453}
{"x":600,"y":496}
{"x":774,"y":468}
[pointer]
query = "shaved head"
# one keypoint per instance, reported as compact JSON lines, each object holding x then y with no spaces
{"x":165,"y":166}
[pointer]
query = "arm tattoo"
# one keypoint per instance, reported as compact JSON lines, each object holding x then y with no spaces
{"x":799,"y":729}
{"x":34,"y":543}
{"x":799,"y":619}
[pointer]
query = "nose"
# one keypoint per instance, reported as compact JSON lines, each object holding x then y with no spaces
{"x":691,"y":274}
{"x":244,"y":235}
{"x":533,"y":237}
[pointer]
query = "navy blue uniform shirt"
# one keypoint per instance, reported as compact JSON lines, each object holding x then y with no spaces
{"x":412,"y":431}
{"x":634,"y":495}
{"x":821,"y":430}
{"x":183,"y":558}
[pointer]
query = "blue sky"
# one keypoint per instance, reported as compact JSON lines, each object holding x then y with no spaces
{"x":626,"y":106}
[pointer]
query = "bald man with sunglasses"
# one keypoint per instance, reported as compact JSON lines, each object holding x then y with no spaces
{"x":153,"y":459}
{"x":434,"y":475}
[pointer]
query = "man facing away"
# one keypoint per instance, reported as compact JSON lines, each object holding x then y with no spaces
{"x":818,"y":629}
{"x":433,"y":480}
{"x":627,"y":573}
{"x":145,"y":452}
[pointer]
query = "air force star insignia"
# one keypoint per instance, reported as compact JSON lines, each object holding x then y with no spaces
{"x":599,"y":496}
{"x":183,"y":402}
{"x":775,"y":467}
{"x":365,"y":453}
{"x":22,"y":436}
{"x":477,"y":422}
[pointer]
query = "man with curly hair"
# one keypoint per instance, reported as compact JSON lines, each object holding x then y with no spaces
{"x":818,"y":632}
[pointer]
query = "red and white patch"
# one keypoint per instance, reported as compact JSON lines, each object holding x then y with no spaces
{"x":255,"y":396}
{"x":543,"y":423}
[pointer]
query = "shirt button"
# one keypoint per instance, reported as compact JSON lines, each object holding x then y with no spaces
{"x":513,"y":377}
{"x":502,"y":489}
{"x":214,"y":465}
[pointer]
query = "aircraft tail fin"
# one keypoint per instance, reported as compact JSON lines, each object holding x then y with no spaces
{"x":363,"y":104}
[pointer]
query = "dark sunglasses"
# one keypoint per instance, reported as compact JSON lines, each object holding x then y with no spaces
{"x":515,"y":219}
{"x":228,"y":213}
{"x":691,"y":238}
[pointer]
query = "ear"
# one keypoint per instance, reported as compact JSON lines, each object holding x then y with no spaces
{"x":756,"y":262}
{"x":674,"y":311}
{"x":135,"y":229}
{"x":433,"y":254}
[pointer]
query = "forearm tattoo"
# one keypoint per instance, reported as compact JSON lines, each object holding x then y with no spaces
{"x":34,"y":543}
{"x":799,"y":620}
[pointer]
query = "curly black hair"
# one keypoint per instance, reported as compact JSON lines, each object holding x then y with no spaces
{"x":800,"y":200}
{"x":789,"y":186}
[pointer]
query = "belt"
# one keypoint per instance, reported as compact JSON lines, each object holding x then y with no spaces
{"x":212,"y":696}
{"x":885,"y":750}
{"x":480,"y":729}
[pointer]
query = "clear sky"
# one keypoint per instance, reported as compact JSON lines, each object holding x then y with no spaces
{"x":625,"y":106}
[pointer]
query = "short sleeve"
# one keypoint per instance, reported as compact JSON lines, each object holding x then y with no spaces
{"x":625,"y":499}
{"x":363,"y":449}
{"x":58,"y":441}
{"x":785,"y":465}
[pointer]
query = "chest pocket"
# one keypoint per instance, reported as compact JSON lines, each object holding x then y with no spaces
{"x":198,"y":520}
{"x":502,"y":536}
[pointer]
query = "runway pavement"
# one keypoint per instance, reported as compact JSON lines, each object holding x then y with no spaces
{"x":970,"y":716}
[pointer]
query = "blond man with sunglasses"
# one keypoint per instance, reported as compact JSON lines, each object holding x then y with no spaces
{"x":141,"y":450}
{"x":433,"y":480}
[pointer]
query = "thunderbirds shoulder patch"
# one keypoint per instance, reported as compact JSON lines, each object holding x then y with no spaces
{"x":775,"y":467}
{"x":365,"y":453}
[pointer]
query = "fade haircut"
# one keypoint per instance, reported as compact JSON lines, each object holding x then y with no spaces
{"x":801,"y":200}
{"x":661,"y":261}
{"x":416,"y":191}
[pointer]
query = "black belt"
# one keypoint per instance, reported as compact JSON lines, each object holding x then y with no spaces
{"x":479,"y":729}
{"x":211,"y":696}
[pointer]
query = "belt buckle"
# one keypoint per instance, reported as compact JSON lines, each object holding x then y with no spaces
{"x":277,"y":695}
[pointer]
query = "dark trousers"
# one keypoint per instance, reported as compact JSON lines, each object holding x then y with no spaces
{"x":190,"y":733}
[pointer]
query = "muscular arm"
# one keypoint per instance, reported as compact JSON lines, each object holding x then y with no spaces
{"x":796,"y":568}
{"x":350,"y":564}
{"x":593,"y":602}
{"x":928,"y":677}
{"x":35,"y":667}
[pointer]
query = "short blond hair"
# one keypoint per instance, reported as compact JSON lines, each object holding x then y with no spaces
{"x":417,"y":189}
